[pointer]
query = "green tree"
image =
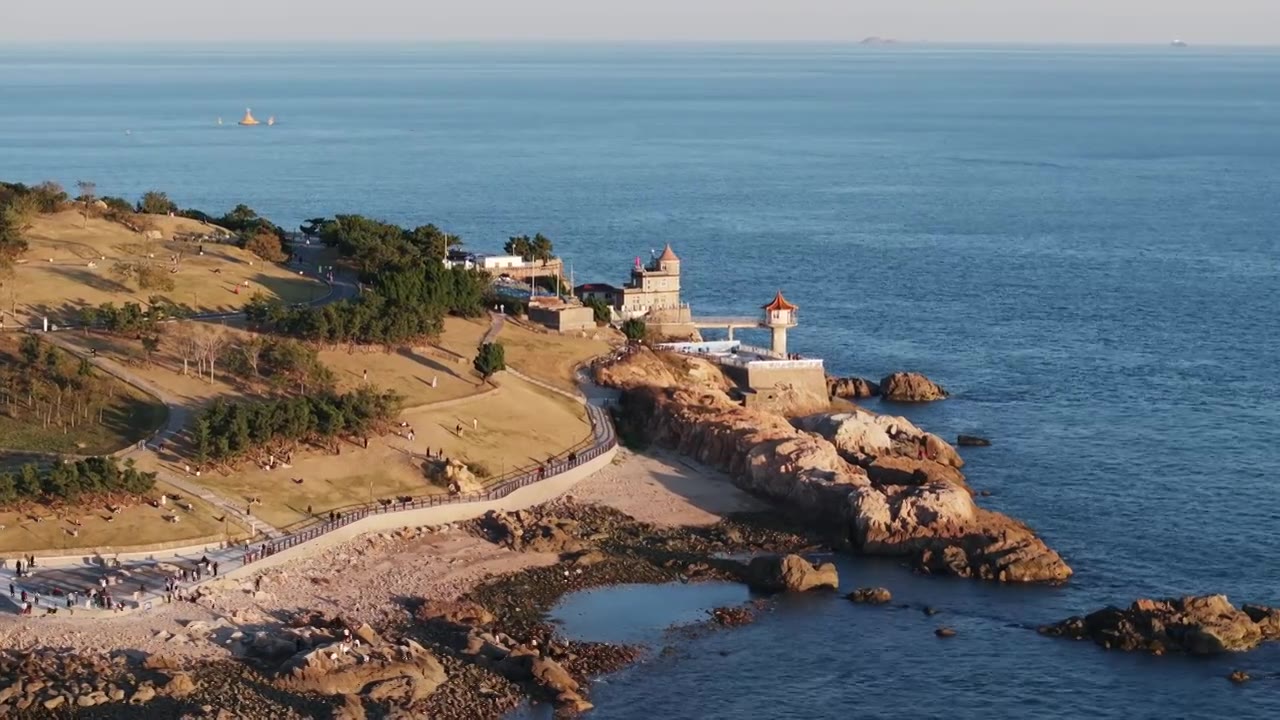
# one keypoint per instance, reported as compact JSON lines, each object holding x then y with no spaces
{"x":312,"y":227}
{"x":635,"y":329}
{"x":603,"y":313}
{"x":30,"y":349}
{"x":519,"y":245}
{"x":491,"y":359}
{"x":154,"y":202}
{"x":539,"y":247}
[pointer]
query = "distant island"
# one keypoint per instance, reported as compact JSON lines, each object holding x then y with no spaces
{"x":873,"y":40}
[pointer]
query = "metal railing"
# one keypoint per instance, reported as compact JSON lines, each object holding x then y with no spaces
{"x":603,"y":440}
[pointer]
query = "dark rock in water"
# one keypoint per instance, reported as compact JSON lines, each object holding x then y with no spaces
{"x":789,"y":573}
{"x":1239,"y":677}
{"x":910,"y":387}
{"x":871,"y":596}
{"x":985,"y":493}
{"x":851,"y":388}
{"x":1205,"y":625}
{"x":931,"y":610}
{"x":972,"y":441}
{"x":945,"y":632}
{"x":732,"y":616}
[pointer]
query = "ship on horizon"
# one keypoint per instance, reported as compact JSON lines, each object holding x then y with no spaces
{"x":248,"y":118}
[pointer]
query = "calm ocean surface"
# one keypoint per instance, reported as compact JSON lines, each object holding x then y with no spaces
{"x":1081,"y":244}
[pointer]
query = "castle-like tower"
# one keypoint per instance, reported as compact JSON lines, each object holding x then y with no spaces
{"x":779,"y":315}
{"x":653,"y":287}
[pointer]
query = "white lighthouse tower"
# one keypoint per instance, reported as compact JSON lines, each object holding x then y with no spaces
{"x":778,"y":316}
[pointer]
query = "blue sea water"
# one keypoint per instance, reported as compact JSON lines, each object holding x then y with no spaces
{"x":1082,"y":244}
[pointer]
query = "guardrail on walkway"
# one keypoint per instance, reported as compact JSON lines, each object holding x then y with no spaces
{"x":603,"y":440}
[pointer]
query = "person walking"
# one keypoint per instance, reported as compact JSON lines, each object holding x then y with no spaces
{"x":215,"y":568}
{"x":11,"y":590}
{"x":475,"y":423}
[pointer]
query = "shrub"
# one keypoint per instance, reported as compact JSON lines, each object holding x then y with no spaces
{"x":635,"y":329}
{"x":154,"y":202}
{"x":266,"y":245}
{"x":603,"y":313}
{"x":491,"y":358}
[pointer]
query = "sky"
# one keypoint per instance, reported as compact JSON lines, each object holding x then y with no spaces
{"x":1203,"y":22}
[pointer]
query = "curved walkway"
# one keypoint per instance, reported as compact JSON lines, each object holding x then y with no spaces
{"x":152,"y":571}
{"x":85,"y":570}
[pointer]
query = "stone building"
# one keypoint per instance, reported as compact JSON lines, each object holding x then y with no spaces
{"x":562,"y":316}
{"x":653,"y":293}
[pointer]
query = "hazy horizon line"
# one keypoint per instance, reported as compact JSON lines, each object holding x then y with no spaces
{"x":869,"y":41}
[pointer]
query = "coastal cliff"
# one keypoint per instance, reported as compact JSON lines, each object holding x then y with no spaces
{"x":678,"y":404}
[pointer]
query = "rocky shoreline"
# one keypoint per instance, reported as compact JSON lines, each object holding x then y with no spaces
{"x":478,"y":656}
{"x":875,"y":485}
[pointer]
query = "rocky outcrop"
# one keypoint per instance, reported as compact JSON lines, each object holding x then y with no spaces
{"x":972,"y":441}
{"x":529,"y":531}
{"x":453,"y":475}
{"x":851,"y":388}
{"x":406,"y":673}
{"x":526,"y":664}
{"x":936,"y":523}
{"x":645,"y":368}
{"x":910,"y":387}
{"x":1203,"y":625}
{"x":891,"y":449}
{"x":789,"y":573}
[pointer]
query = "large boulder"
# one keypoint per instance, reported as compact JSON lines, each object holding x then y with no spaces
{"x":863,"y":436}
{"x":790,"y":573}
{"x":1198,"y":625}
{"x":851,"y":388}
{"x":910,"y":387}
{"x":178,"y":685}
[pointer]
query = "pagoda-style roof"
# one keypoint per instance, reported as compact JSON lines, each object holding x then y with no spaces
{"x":780,"y":303}
{"x":668,"y":254}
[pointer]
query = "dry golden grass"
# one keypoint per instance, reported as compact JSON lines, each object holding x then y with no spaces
{"x":59,"y":288}
{"x":463,"y":336}
{"x":518,"y":425}
{"x":552,"y":357}
{"x":138,"y":525}
{"x":408,"y":372}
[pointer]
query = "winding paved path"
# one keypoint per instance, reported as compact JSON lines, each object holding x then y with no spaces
{"x":152,"y":571}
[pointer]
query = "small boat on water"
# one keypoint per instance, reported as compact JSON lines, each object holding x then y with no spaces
{"x":271,"y":120}
{"x":219,"y":121}
{"x":1179,"y":43}
{"x":248,"y":118}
